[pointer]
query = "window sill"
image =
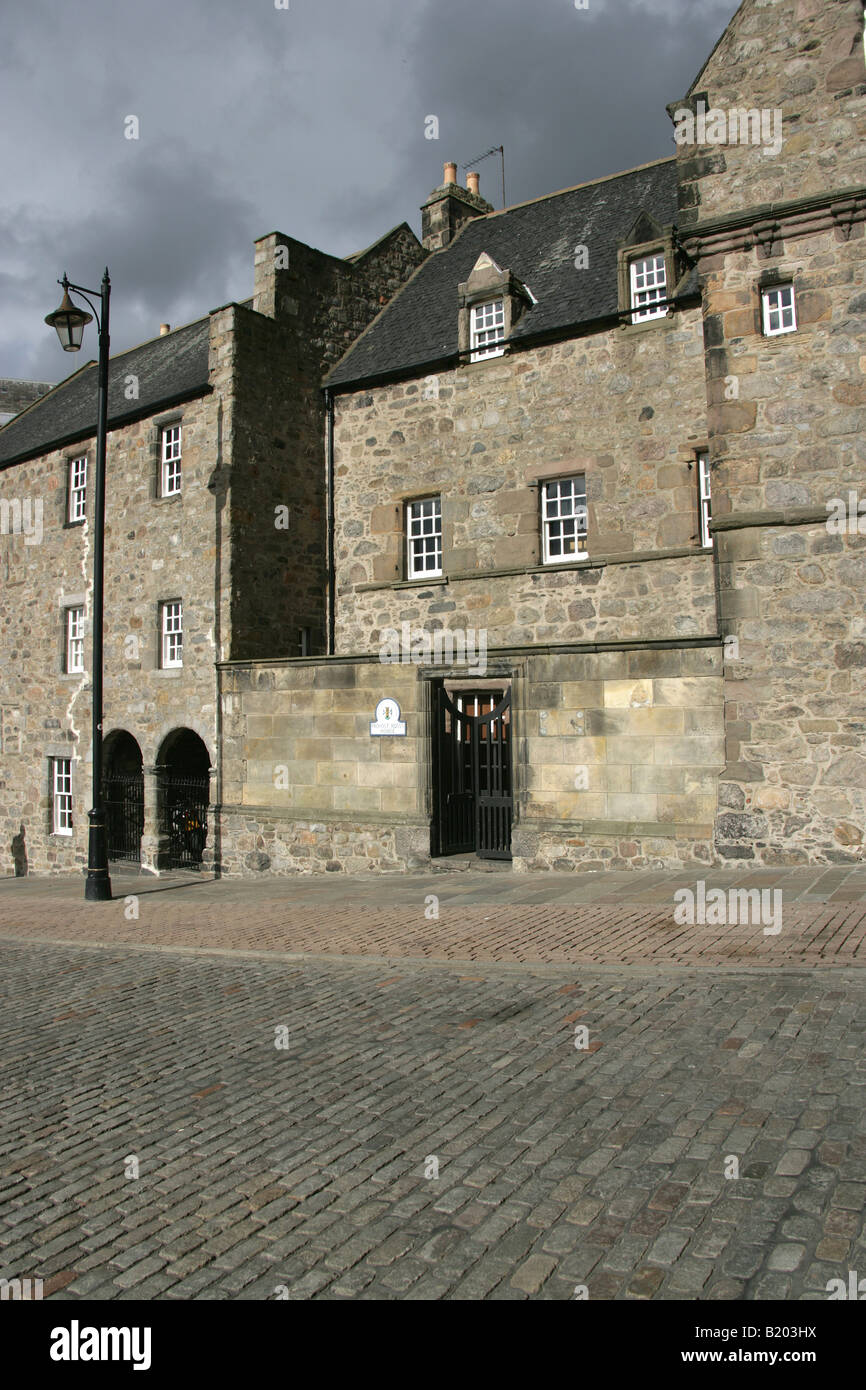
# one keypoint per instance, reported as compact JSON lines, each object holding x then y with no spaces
{"x":628,"y":327}
{"x":168,"y":671}
{"x":410,"y":583}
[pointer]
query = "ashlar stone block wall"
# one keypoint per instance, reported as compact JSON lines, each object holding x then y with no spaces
{"x":618,"y":756}
{"x":306,"y":787}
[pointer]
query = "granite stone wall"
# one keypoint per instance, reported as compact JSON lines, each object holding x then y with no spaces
{"x":803,"y":58}
{"x":786,"y":423}
{"x":252,"y":442}
{"x":625,"y":407}
{"x":156,"y":549}
{"x":308,"y":309}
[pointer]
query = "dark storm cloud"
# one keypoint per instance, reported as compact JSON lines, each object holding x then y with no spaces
{"x":309,"y":120}
{"x":157,"y":233}
{"x":572,"y":95}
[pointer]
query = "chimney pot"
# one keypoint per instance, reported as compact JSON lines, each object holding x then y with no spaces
{"x":163,"y":329}
{"x":450,"y":172}
{"x":472,"y":184}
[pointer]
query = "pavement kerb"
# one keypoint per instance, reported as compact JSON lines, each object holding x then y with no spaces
{"x":633,"y":969}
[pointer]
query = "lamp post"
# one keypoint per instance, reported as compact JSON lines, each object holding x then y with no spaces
{"x":70,"y":323}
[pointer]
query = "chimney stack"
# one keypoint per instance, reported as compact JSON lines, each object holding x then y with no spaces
{"x":163,"y":329}
{"x":449,"y":207}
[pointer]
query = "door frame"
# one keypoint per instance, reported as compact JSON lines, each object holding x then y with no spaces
{"x":442,"y":745}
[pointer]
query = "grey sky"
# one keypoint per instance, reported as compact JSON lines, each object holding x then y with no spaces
{"x":308,"y":120}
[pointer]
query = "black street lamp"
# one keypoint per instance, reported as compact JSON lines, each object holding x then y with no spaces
{"x":70,"y":324}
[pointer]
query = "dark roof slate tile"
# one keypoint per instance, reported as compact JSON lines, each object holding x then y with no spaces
{"x":537,"y":241}
{"x":168,"y":368}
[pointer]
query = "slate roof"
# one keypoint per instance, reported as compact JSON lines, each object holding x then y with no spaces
{"x":169,"y":368}
{"x":537,"y":242}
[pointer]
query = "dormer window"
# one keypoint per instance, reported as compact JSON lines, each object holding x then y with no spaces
{"x":488,"y":329}
{"x":648,"y":287}
{"x":649,"y":273}
{"x":489,"y":305}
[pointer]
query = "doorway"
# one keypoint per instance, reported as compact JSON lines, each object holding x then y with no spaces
{"x":183,"y":794}
{"x":123,"y":796}
{"x":472,"y":772}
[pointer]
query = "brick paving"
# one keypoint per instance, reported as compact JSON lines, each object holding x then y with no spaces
{"x":300,"y":1170}
{"x":602,"y":919}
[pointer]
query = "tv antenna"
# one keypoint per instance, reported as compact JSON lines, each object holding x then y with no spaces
{"x":496,"y":149}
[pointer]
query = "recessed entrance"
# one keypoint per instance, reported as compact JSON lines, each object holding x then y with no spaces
{"x":183,"y":793}
{"x":123,"y":796}
{"x":472,"y":777}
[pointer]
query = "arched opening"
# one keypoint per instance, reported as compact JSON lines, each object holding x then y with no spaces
{"x":183,"y":793}
{"x":123,"y":796}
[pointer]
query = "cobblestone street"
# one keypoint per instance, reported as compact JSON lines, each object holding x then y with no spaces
{"x":308,"y":1167}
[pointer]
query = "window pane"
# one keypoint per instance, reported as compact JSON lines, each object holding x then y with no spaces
{"x":172,"y":634}
{"x":424,"y":537}
{"x":171,"y":460}
{"x":648,"y":287}
{"x":564,"y":516}
{"x":62,"y":796}
{"x":77,"y":489}
{"x":487,"y":329}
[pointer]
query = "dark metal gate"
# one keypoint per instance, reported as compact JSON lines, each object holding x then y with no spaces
{"x":123,"y":799}
{"x":472,"y":775}
{"x":184,"y":803}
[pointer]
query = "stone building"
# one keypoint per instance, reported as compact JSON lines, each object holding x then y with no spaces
{"x":16,"y":396}
{"x":215,"y":549}
{"x":539,"y":541}
{"x":600,"y":437}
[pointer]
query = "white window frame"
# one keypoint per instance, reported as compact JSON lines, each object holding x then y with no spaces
{"x":555,"y":517}
{"x":171,"y":453}
{"x":487,"y":329}
{"x":704,"y":497}
{"x":648,"y":287}
{"x":775,"y":307}
{"x":77,"y":489}
{"x":61,"y":796}
{"x":171,"y":634}
{"x":75,"y":641}
{"x":424,"y":537}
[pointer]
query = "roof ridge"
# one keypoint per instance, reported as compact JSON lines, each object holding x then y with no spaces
{"x":158,"y":337}
{"x":573,"y":188}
